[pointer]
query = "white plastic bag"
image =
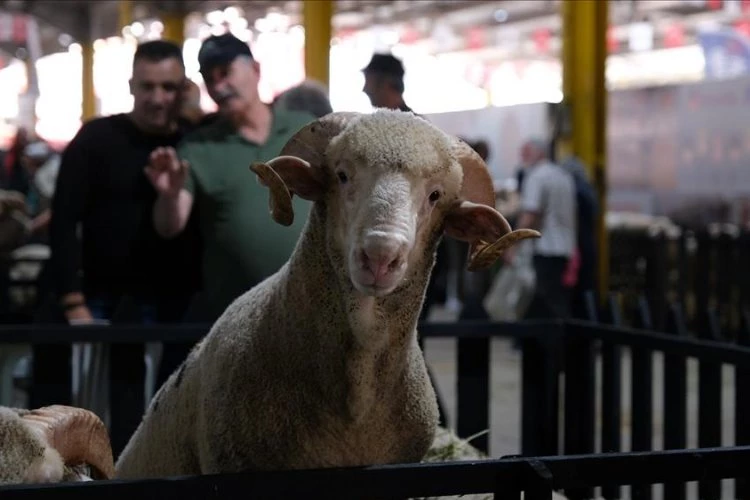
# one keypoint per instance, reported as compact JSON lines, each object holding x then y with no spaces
{"x":513,"y":287}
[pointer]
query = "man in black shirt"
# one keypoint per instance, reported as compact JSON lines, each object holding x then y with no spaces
{"x":102,"y":186}
{"x":384,"y":82}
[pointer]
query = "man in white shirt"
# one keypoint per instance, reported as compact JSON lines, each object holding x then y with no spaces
{"x":548,"y":204}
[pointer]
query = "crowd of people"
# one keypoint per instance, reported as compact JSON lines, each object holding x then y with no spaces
{"x":157,"y":204}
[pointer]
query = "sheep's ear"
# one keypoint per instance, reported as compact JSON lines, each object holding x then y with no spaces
{"x":486,"y":231}
{"x":285,"y":176}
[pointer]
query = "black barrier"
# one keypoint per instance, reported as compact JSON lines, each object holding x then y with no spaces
{"x":506,"y":478}
{"x":552,"y":353}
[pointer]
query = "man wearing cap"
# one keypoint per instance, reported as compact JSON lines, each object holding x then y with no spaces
{"x":384,"y":82}
{"x":210,"y":168}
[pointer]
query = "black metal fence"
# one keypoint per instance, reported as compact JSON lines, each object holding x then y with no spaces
{"x":505,"y":478}
{"x":571,"y":379}
{"x":704,"y":271}
{"x":620,"y":381}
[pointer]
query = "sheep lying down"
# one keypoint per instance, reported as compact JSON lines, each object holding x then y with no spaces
{"x":319,"y":365}
{"x":63,"y":444}
{"x":53,"y":444}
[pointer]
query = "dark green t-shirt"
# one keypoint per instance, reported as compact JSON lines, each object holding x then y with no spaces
{"x":242,"y":243}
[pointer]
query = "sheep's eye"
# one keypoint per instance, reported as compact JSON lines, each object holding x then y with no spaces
{"x":342,"y":177}
{"x":434,"y":196}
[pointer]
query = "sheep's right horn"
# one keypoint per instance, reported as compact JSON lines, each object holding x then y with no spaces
{"x":78,"y":435}
{"x":280,"y":201}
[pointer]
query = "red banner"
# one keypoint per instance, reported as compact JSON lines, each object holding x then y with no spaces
{"x":13,"y":28}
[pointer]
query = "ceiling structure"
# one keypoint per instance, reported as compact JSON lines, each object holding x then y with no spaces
{"x":75,"y":20}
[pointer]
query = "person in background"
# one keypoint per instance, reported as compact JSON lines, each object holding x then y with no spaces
{"x":309,"y":96}
{"x":243,"y":245}
{"x":191,"y":113}
{"x":384,"y":82}
{"x":587,"y":210}
{"x":13,"y":176}
{"x":101,"y":188}
{"x":548,"y":204}
{"x":42,"y":165}
{"x":190,"y":108}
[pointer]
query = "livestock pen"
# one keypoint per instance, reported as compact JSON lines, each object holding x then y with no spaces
{"x":586,"y":388}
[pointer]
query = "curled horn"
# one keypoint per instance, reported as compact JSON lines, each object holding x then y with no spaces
{"x":78,"y":435}
{"x":309,"y":144}
{"x":477,"y":188}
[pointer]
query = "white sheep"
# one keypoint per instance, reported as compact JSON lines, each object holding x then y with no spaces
{"x":319,"y":365}
{"x":53,"y":444}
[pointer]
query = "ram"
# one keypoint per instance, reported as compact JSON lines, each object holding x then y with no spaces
{"x":52,"y":444}
{"x":319,"y":364}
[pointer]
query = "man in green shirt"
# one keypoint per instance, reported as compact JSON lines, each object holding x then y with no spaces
{"x":210,"y":169}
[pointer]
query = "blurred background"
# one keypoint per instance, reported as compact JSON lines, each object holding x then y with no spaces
{"x":676,"y":72}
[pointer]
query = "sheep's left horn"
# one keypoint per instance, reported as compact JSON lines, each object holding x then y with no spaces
{"x":477,"y":181}
{"x":477,"y":188}
{"x":311,"y":141}
{"x":78,"y":435}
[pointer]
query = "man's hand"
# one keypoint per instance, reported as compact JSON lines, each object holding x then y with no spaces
{"x":75,"y":309}
{"x":12,"y":200}
{"x":41,"y":221}
{"x":79,"y":315}
{"x":166,"y":172}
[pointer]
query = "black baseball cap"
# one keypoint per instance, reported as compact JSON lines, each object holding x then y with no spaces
{"x":219,"y":50}
{"x":385,"y":64}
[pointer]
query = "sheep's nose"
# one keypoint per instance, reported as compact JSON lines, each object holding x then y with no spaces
{"x":382,"y":256}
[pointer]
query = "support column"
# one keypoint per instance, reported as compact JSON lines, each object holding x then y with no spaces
{"x":174,"y":26}
{"x":124,"y":14}
{"x":317,"y":15}
{"x":88,"y":103}
{"x":585,"y":101}
{"x":27,"y":102}
{"x":89,"y":95}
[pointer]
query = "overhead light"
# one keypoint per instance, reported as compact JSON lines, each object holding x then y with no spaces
{"x":262,"y":25}
{"x":137,"y":29}
{"x":64,"y":39}
{"x":239,"y":24}
{"x":215,"y":17}
{"x":231,"y":13}
{"x":501,"y":15}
